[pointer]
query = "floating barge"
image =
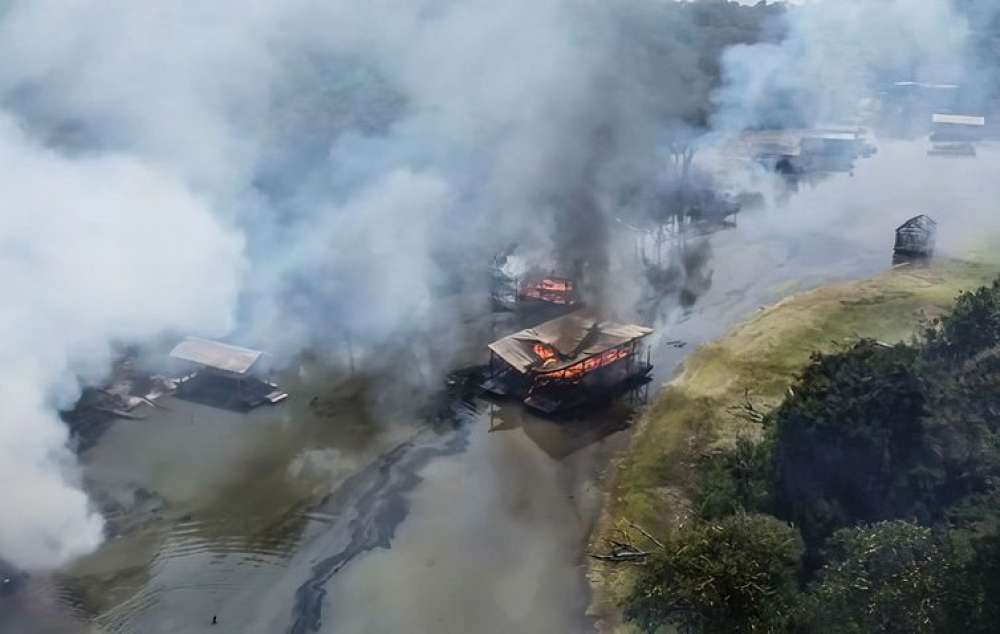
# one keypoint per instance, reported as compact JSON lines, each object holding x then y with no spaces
{"x":224,"y":375}
{"x":567,"y":362}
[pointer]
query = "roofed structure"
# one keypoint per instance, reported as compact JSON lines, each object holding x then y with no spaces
{"x":563,"y":342}
{"x":916,"y":236}
{"x":216,"y":355}
{"x":958,"y":119}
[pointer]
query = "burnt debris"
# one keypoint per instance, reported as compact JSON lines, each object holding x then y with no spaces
{"x":915,"y":239}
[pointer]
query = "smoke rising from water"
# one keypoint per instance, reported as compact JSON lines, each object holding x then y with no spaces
{"x":305,"y":171}
{"x":93,"y":248}
{"x":288,"y":172}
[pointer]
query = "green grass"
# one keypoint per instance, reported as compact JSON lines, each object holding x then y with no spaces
{"x":652,"y":482}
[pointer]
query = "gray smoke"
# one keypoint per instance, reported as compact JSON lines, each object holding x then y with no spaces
{"x":835,"y":53}
{"x":94,"y":248}
{"x":287,"y":173}
{"x":296,"y":173}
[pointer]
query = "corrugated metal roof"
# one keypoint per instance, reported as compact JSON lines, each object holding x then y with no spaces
{"x":923,"y":221}
{"x":958,"y":119}
{"x":574,"y":337}
{"x":216,"y":355}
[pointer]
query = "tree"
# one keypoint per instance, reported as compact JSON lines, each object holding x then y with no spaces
{"x":739,"y":574}
{"x":887,"y":577}
{"x":735,"y":480}
{"x":849,"y":441}
{"x":972,"y":327}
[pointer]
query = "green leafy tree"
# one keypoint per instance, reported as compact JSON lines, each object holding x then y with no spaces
{"x":887,"y":577}
{"x":739,"y":574}
{"x":972,"y":327}
{"x":736,"y":479}
{"x":849,"y":441}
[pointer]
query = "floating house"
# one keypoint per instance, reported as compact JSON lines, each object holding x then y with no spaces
{"x":957,"y":128}
{"x":224,"y":375}
{"x":567,"y":361}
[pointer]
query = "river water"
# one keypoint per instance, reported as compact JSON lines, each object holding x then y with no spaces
{"x":338,"y":512}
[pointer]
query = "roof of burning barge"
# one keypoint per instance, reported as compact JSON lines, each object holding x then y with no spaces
{"x":216,"y":355}
{"x":574,"y":337}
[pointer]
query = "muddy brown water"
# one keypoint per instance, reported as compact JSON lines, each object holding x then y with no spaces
{"x":338,"y":517}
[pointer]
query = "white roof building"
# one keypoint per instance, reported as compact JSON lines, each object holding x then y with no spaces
{"x":216,"y":355}
{"x":958,"y":119}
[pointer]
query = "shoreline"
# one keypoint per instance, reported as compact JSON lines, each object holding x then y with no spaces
{"x":650,"y":481}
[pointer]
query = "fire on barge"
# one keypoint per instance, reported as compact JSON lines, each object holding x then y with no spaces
{"x":567,"y":362}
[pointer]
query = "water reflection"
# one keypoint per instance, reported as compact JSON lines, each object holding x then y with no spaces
{"x":559,"y":438}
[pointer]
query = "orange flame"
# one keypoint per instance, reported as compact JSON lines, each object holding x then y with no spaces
{"x":545,"y":353}
{"x":578,"y":370}
{"x":552,"y":290}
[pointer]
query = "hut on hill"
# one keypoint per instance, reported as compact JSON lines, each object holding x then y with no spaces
{"x":915,"y":238}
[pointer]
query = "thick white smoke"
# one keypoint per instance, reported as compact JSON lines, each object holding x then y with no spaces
{"x":834,"y":53}
{"x":304,"y":169}
{"x":94,"y":249}
{"x":355,"y":156}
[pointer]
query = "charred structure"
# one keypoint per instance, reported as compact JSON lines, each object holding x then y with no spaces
{"x":128,"y":393}
{"x":567,"y":361}
{"x":915,"y":239}
{"x":514,"y":289}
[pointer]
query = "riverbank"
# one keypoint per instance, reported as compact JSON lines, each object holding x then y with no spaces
{"x":652,"y":482}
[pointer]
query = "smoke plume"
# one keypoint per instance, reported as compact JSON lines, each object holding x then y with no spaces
{"x":288,"y":173}
{"x":832,"y":55}
{"x":95,"y":248}
{"x":295,"y":173}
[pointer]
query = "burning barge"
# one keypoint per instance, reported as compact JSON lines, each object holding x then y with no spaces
{"x":567,"y":362}
{"x":515,"y":287}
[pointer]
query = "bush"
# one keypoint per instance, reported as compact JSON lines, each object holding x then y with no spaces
{"x":735,"y":480}
{"x":887,"y":577}
{"x":739,"y":574}
{"x":973,"y":326}
{"x":849,"y":441}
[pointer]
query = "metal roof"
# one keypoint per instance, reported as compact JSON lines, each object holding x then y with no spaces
{"x":216,"y":355}
{"x":958,"y":119}
{"x":903,"y":84}
{"x":833,"y":136}
{"x":923,"y":221}
{"x":573,"y":337}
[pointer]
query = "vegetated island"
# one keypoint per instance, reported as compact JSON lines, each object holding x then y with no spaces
{"x":830,"y":439}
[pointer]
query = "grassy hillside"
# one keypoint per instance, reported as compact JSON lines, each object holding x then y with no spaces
{"x":652,"y":482}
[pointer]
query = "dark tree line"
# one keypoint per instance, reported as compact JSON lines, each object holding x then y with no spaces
{"x":871,"y":505}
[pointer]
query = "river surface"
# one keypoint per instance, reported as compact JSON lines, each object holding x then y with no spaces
{"x":342,"y":511}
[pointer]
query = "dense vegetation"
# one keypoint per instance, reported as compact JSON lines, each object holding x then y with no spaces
{"x":870,"y":505}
